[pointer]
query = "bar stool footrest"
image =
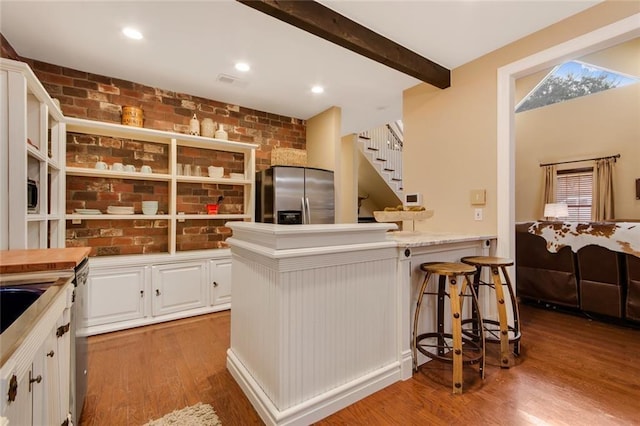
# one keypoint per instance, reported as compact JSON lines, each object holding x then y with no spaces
{"x":472,"y":352}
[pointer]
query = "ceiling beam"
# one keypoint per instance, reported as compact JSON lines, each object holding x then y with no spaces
{"x":325,"y":23}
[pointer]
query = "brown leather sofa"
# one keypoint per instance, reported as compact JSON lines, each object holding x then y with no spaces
{"x":601,"y":281}
{"x":544,"y":276}
{"x":594,"y":280}
{"x":633,"y":288}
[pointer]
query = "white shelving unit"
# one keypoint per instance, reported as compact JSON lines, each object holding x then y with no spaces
{"x":174,"y":141}
{"x":133,"y":290}
{"x":32,"y":147}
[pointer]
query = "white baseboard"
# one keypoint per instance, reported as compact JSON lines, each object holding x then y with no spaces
{"x":317,"y":407}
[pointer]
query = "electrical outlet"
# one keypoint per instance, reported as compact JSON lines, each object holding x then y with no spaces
{"x":477,"y":214}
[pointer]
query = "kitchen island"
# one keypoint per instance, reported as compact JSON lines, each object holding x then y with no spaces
{"x":321,"y":313}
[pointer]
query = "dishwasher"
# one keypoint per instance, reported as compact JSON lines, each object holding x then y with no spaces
{"x":79,"y":348}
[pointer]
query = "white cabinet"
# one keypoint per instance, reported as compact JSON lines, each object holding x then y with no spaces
{"x":179,"y":287}
{"x":35,"y":379}
{"x":115,"y":294}
{"x":220,"y":282}
{"x":32,"y":147}
{"x":43,"y":392}
{"x":132,"y":291}
{"x":51,"y":372}
{"x":19,"y":410}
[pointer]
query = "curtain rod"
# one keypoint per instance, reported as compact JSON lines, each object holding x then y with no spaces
{"x":579,"y":161}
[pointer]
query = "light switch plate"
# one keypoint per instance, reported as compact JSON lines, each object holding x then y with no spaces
{"x":477,"y":214}
{"x":478,"y":197}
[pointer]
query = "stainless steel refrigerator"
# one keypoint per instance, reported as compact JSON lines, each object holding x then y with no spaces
{"x":295,"y":195}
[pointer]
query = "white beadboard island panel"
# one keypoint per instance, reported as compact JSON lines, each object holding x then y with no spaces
{"x":314,"y":326}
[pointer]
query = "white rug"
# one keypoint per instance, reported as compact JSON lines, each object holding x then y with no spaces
{"x":196,"y":415}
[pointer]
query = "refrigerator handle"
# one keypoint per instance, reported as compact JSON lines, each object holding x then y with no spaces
{"x":308,"y":210}
{"x":304,"y":208}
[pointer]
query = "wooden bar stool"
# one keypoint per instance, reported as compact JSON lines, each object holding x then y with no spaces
{"x":499,"y":331}
{"x":451,"y":347}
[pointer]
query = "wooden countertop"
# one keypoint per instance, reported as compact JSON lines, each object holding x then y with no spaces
{"x":34,"y":260}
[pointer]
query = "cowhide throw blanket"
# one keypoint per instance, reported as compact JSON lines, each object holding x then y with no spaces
{"x":621,"y":236}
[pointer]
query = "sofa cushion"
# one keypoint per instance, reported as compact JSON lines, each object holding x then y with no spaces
{"x":547,"y":285}
{"x":633,"y":288}
{"x":601,"y":298}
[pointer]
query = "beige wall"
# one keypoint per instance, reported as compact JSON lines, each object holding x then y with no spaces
{"x":603,"y":124}
{"x":450,"y":135}
{"x":347,"y":186}
{"x":323,"y":139}
{"x":324,"y":147}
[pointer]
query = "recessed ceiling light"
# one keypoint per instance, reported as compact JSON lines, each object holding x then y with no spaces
{"x":243,"y":66}
{"x":132,"y":33}
{"x":317,"y":89}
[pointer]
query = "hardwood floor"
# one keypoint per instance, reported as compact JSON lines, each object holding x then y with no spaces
{"x":572,"y":371}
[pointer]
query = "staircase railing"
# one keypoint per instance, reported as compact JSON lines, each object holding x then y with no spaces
{"x":386,"y":147}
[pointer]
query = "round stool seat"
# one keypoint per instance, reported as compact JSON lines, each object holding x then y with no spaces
{"x":448,"y":269}
{"x":487,"y":261}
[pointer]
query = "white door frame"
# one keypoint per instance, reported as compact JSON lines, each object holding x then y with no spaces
{"x":599,"y":39}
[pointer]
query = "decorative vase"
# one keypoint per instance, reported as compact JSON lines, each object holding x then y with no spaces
{"x":194,"y":126}
{"x":207,"y":128}
{"x":221,"y":134}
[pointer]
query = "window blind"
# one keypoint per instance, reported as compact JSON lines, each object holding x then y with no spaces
{"x":575,"y":189}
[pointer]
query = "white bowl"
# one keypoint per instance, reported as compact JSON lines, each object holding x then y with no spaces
{"x":150,"y":210}
{"x":236,"y":175}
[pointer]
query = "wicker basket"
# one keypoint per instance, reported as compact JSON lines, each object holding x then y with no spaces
{"x":288,"y":157}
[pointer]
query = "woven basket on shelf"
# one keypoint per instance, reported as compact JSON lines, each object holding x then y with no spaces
{"x":288,"y":157}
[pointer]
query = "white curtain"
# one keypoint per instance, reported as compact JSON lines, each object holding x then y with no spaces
{"x":602,"y":204}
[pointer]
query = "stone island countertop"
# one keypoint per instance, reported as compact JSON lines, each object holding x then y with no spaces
{"x":421,"y":239}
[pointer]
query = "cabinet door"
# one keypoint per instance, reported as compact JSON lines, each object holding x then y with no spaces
{"x":18,"y":411}
{"x":61,"y":360}
{"x":220,"y":281}
{"x":179,"y":287}
{"x":45,"y":388}
{"x":115,"y":295}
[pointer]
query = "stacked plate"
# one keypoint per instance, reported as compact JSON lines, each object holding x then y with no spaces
{"x":119,"y":210}
{"x":88,"y":211}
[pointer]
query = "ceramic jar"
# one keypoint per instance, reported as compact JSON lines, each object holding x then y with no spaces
{"x":207,"y":128}
{"x":221,"y":134}
{"x":132,"y":116}
{"x":194,"y":126}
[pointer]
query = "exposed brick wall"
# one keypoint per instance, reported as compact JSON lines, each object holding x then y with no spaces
{"x":201,"y":234}
{"x":100,"y":98}
{"x":112,"y":237}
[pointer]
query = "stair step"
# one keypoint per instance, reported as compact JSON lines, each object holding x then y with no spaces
{"x":364,"y":137}
{"x":381,"y":159}
{"x":389,"y":170}
{"x":396,"y":180}
{"x":372,"y":149}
